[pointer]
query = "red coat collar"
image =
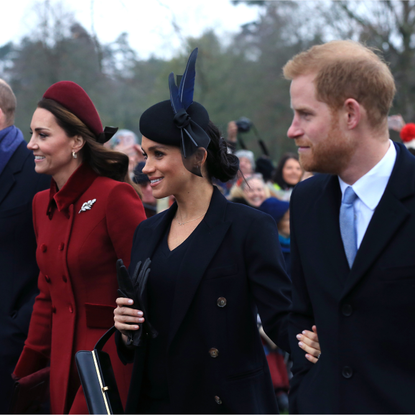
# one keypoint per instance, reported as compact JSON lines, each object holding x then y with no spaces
{"x":76,"y":185}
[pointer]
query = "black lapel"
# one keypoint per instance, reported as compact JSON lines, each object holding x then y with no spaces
{"x":155,"y":229}
{"x":327,"y":213}
{"x":209,"y":237}
{"x":14,"y":166}
{"x":388,"y":217}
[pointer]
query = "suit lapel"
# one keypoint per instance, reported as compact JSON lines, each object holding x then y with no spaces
{"x":389,"y":216}
{"x":153,"y":234}
{"x":208,"y":238}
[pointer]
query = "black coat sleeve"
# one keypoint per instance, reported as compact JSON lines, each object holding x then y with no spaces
{"x":268,"y":280}
{"x":302,"y":316}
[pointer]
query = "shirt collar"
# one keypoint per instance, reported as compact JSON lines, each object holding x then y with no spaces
{"x":76,"y":185}
{"x":370,"y":187}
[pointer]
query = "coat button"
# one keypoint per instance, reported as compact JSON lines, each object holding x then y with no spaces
{"x":44,"y":248}
{"x":221,"y":302}
{"x":53,"y":309}
{"x":64,"y":278}
{"x":347,"y":372}
{"x":347,"y":310}
{"x":214,"y":352}
{"x":47,"y":279}
{"x":218,"y":400}
{"x":70,"y":308}
{"x":61,"y":246}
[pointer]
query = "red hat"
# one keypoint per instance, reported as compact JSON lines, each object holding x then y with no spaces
{"x":408,"y":135}
{"x":74,"y":98}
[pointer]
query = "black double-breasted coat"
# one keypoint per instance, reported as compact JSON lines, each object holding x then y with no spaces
{"x":232,"y":269}
{"x":365,"y":315}
{"x":18,"y":269}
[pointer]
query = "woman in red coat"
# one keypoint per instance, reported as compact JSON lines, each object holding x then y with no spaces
{"x":82,"y":224}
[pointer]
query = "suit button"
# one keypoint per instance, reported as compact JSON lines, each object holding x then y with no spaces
{"x":70,"y":308}
{"x":53,"y":309}
{"x":64,"y":278}
{"x":347,"y":372}
{"x":221,"y":302}
{"x":347,"y":310}
{"x":218,"y":400}
{"x":214,"y":352}
{"x":61,"y":246}
{"x":47,"y":279}
{"x":44,"y":248}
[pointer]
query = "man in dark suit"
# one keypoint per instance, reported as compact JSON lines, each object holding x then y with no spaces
{"x":352,"y":235}
{"x":18,"y":277}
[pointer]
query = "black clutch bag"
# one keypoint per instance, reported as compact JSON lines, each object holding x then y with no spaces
{"x":98,"y":380}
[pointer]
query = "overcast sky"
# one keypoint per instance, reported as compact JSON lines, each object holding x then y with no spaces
{"x":148,"y":22}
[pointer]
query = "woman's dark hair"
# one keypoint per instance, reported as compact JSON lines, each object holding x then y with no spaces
{"x":220,"y":163}
{"x":278,"y":171}
{"x":103,"y":161}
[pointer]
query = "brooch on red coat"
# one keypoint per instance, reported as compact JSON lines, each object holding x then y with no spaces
{"x":87,"y":205}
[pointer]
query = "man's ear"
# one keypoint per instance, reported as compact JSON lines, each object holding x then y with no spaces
{"x":352,"y":112}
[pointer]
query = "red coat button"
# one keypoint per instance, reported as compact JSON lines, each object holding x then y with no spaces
{"x":61,"y":246}
{"x":64,"y":278}
{"x":70,"y":308}
{"x":53,"y":309}
{"x":44,"y":248}
{"x":47,"y":279}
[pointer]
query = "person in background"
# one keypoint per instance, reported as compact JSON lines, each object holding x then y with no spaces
{"x":18,"y":277}
{"x":407,"y":134}
{"x":83,"y":224}
{"x":246,"y":162}
{"x":280,"y":211}
{"x":149,"y":201}
{"x":126,"y":141}
{"x":252,"y":191}
{"x":287,"y":174}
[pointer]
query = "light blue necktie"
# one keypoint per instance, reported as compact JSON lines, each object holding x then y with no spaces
{"x":348,"y":225}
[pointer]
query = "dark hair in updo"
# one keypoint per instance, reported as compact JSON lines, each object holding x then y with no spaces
{"x":220,"y":164}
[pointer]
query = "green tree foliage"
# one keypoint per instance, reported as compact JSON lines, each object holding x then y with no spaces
{"x":241,"y":76}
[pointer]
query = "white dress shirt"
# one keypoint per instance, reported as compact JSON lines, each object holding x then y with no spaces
{"x":369,"y":190}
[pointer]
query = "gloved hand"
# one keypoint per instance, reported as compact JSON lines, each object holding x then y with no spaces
{"x":134,"y":287}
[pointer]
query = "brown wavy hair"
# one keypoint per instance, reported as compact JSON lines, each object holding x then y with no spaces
{"x":102,"y":160}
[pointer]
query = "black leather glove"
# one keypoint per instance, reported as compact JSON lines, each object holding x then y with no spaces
{"x":134,"y":287}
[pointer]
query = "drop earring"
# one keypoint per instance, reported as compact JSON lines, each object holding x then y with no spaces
{"x":74,"y":155}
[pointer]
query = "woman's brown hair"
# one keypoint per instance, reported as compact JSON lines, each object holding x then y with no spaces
{"x":102,"y":160}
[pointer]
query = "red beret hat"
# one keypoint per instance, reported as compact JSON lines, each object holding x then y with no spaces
{"x":74,"y":98}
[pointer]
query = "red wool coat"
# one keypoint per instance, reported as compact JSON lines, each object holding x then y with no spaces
{"x":81,"y":230}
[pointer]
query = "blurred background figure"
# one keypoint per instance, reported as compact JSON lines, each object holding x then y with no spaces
{"x":149,"y":201}
{"x":246,"y":162}
{"x":279,"y":210}
{"x":287,"y":174}
{"x":18,"y":279}
{"x":264,"y":166}
{"x":127,"y":142}
{"x":252,"y":191}
{"x":407,"y":134}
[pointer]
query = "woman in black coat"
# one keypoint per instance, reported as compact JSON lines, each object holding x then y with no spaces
{"x":215,"y":265}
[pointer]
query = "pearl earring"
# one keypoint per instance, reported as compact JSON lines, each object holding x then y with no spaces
{"x":74,"y":155}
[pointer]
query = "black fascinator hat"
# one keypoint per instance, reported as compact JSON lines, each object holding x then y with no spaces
{"x":180,"y":121}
